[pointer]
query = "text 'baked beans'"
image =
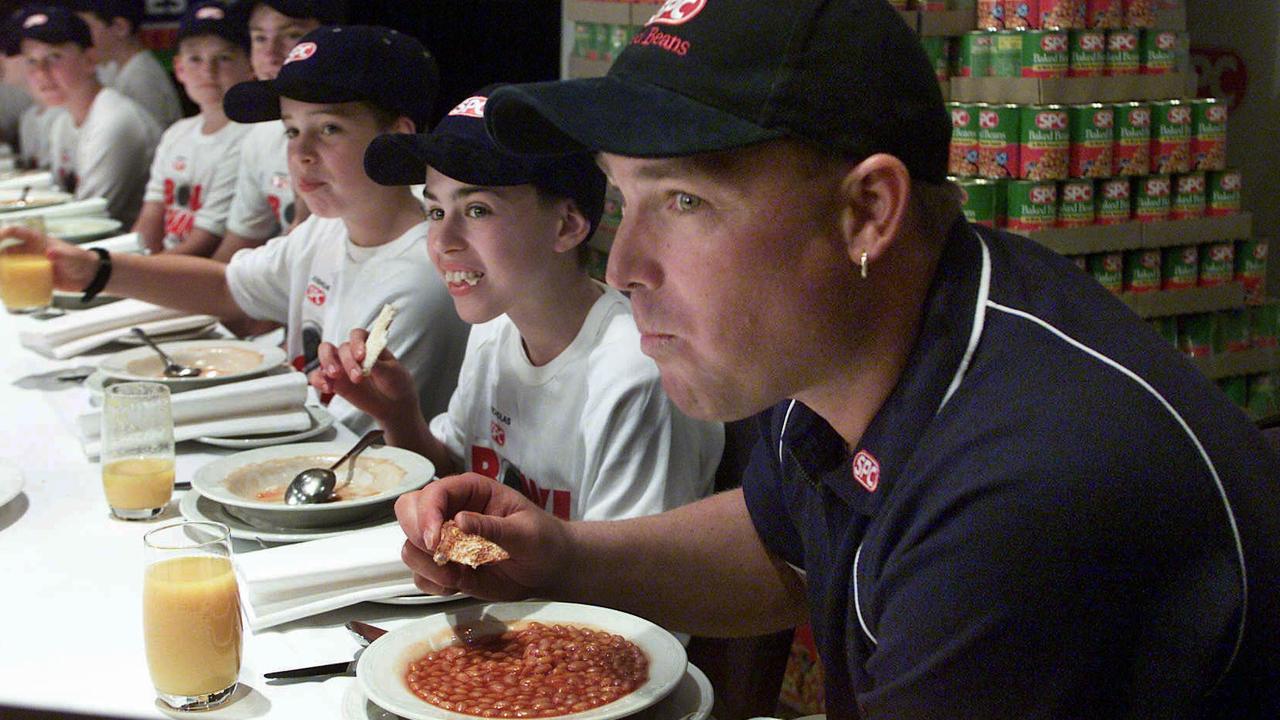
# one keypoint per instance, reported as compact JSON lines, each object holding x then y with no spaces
{"x":537,"y":671}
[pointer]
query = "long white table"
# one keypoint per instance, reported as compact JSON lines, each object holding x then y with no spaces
{"x":71,"y":577}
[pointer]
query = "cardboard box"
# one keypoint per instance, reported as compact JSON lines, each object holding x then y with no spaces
{"x":1069,"y":91}
{"x":1136,"y":235}
{"x":610,"y":12}
{"x":1185,"y":302}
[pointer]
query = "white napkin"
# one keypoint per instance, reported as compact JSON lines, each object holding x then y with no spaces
{"x":32,"y":180}
{"x":92,"y":206}
{"x":77,"y":332}
{"x":288,"y":582}
{"x":126,"y":243}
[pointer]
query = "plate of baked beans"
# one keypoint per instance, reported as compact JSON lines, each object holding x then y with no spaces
{"x":522,"y":660}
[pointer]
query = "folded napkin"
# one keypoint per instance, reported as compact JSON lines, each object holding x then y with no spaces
{"x":77,"y":332}
{"x":92,"y":206}
{"x":288,"y":582}
{"x":33,"y":180}
{"x":126,"y":243}
{"x":274,"y":403}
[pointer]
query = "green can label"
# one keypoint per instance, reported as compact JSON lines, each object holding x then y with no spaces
{"x":1075,"y":204}
{"x":1251,"y":268}
{"x":1124,"y":57}
{"x":1088,"y":53}
{"x":963,"y":158}
{"x":1170,"y":136}
{"x":1132,"y":152}
{"x":1195,"y":334}
{"x":973,"y":54}
{"x":1152,"y":198}
{"x":600,"y":42}
{"x":1236,"y":389}
{"x":1045,"y":142}
{"x":998,"y":141}
{"x":1160,"y":50}
{"x":1262,"y":394}
{"x":1264,"y":325}
{"x":1108,"y":270}
{"x":1217,"y":263}
{"x":1115,"y":201}
{"x":937,"y":49}
{"x":1224,"y":192}
{"x":1167,"y":327}
{"x":1006,"y":54}
{"x":1045,"y":53}
{"x":1032,"y":205}
{"x":1232,"y":332}
{"x":1179,"y":267}
{"x":1208,"y":134}
{"x":1188,"y":196}
{"x":1141,"y":271}
{"x":979,"y":202}
{"x":1092,"y":140}
{"x":583,"y":37}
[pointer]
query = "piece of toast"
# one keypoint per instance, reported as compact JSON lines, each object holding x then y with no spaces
{"x":377,"y":339}
{"x":472,"y":550}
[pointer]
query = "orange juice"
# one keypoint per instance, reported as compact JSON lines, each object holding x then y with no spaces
{"x":138,"y":483}
{"x":26,"y":281}
{"x":191,"y":617}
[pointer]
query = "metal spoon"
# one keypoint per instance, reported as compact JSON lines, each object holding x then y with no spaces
{"x":316,"y":485}
{"x":171,"y":368}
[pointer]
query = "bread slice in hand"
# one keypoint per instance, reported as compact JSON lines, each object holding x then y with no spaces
{"x":377,"y":339}
{"x":472,"y":550}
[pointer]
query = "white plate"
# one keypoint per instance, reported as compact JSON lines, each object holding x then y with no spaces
{"x":35,"y":199}
{"x":419,"y":599}
{"x":10,"y":481}
{"x":691,"y":700}
{"x":195,"y":507}
{"x":191,"y":334}
{"x":382,"y":665}
{"x":81,"y":229}
{"x":321,"y":420}
{"x":117,"y":365}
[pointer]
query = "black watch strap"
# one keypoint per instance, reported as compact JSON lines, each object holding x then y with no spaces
{"x":100,"y":279}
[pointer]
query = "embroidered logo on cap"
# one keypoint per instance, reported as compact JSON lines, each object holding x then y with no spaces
{"x":866,"y":470}
{"x":677,"y":12}
{"x":34,"y":20}
{"x":301,"y":51}
{"x":471,"y":107}
{"x":210,"y":13}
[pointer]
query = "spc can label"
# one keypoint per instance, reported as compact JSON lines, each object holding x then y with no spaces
{"x":1142,"y":270}
{"x":1195,"y":334}
{"x":1251,"y":268}
{"x":1114,"y":200}
{"x":979,"y":201}
{"x":1108,"y":270}
{"x":1160,"y":51}
{"x":1124,"y":57}
{"x":1170,"y":136}
{"x":1132,"y":154}
{"x":1006,"y":54}
{"x":1179,"y":267}
{"x":1217,"y":263}
{"x":973,"y":54}
{"x":1075,"y":203}
{"x":1093,"y":128}
{"x":1031,"y":205}
{"x":1224,"y":192}
{"x":998,"y":141}
{"x":1152,"y":198}
{"x":1188,"y":196}
{"x":963,"y":158}
{"x":1045,"y":53}
{"x":1045,"y":142}
{"x":1088,"y":54}
{"x":1232,"y":332}
{"x":937,"y":49}
{"x":1262,"y":394}
{"x":1208,"y":134}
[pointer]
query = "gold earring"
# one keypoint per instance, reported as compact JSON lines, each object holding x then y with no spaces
{"x":863,"y":264}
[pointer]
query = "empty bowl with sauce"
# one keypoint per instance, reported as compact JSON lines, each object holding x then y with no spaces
{"x":219,"y":361}
{"x":250,"y":485}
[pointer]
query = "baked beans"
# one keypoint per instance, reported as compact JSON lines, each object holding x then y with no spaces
{"x":532,"y":672}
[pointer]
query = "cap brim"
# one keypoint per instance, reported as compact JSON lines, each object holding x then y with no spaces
{"x":402,"y":159}
{"x":615,"y":115}
{"x":259,"y":100}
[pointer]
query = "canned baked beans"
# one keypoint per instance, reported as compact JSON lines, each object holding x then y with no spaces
{"x":1088,"y":55}
{"x":1032,"y":205}
{"x":1208,"y":134}
{"x":1124,"y":57}
{"x":1188,"y":196}
{"x":1232,"y":333}
{"x":1075,"y":204}
{"x":979,"y":201}
{"x":973,"y":54}
{"x":1251,"y":268}
{"x":1152,"y":198}
{"x":1264,"y":325}
{"x":1142,"y":271}
{"x":1160,"y":50}
{"x":1179,"y":267}
{"x":1044,"y":140}
{"x":1006,"y":54}
{"x":1224,"y":192}
{"x":1104,"y":14}
{"x":998,"y":141}
{"x":1114,"y":200}
{"x":1108,"y":270}
{"x":1195,"y":334}
{"x":990,"y":14}
{"x":1132,"y":152}
{"x":1139,"y":13}
{"x":1092,"y":139}
{"x":1047,"y":14}
{"x":1170,"y":136}
{"x":937,"y":49}
{"x":1217,"y":263}
{"x":963,"y":158}
{"x":1045,"y":53}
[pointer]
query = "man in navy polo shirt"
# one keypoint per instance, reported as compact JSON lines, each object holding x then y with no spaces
{"x":992,"y":490}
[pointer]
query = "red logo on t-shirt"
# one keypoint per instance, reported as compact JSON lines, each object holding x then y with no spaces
{"x":315,"y":294}
{"x":866,"y":470}
{"x":498,"y":434}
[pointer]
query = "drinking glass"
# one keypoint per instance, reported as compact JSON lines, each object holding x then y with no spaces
{"x":191,"y":614}
{"x":137,"y":449}
{"x":26,"y":275}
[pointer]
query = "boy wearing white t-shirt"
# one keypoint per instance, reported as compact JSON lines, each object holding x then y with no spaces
{"x":264,"y":204}
{"x":555,"y":397}
{"x":364,"y":245}
{"x":103,"y":145}
{"x":193,"y":175}
{"x":123,"y":62}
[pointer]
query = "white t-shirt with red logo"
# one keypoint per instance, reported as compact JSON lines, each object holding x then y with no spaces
{"x":320,"y":286}
{"x":108,"y":156}
{"x":590,"y":435}
{"x":194,"y":177}
{"x":33,"y":135}
{"x":263,"y":204}
{"x":144,"y":80}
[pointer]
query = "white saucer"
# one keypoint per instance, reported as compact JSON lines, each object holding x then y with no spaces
{"x":419,"y":599}
{"x":321,"y":420}
{"x":691,"y":699}
{"x":10,"y":481}
{"x":195,"y":506}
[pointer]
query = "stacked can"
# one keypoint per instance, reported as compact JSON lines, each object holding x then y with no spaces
{"x":1038,"y":14}
{"x":938,"y":51}
{"x":1170,"y":136}
{"x":1139,"y":13}
{"x":1141,"y":271}
{"x":1217,"y":264}
{"x":1104,"y":14}
{"x":1088,"y":54}
{"x":1232,"y":332}
{"x":1075,"y":204}
{"x":1044,"y":54}
{"x":1108,"y":270}
{"x":1167,"y":327}
{"x":1092,"y":140}
{"x":1044,"y":142}
{"x":1161,"y":51}
{"x":1006,"y":54}
{"x":1152,"y":198}
{"x":983,"y":201}
{"x":963,"y":158}
{"x":1224,"y":192}
{"x":998,"y":141}
{"x":1179,"y":267}
{"x":972,"y":57}
{"x":990,"y":14}
{"x":1264,"y":325}
{"x":1251,"y":268}
{"x":1132,"y":152}
{"x":1188,"y":196}
{"x":1195,"y":334}
{"x":1262,"y":394}
{"x":1031,"y":205}
{"x":1124,"y":56}
{"x":1208,"y":134}
{"x":1114,"y":201}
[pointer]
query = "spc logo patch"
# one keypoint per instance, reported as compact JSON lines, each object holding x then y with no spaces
{"x":34,"y":20}
{"x":866,"y":470}
{"x":301,"y":51}
{"x":677,"y":12}
{"x":472,"y":107}
{"x":210,"y":12}
{"x":316,"y":295}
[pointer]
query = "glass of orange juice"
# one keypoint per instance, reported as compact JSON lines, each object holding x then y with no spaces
{"x":191,"y":614}
{"x":137,"y":449}
{"x":26,"y":275}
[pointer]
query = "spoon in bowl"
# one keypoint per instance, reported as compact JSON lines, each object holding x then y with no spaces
{"x":316,"y":485}
{"x":171,"y":368}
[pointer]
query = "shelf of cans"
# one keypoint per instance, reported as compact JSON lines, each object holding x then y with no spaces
{"x":600,"y":41}
{"x":1182,"y":267}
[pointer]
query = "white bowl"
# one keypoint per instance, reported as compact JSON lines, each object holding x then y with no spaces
{"x":142,"y":363}
{"x":382,"y":666}
{"x":224,"y":481}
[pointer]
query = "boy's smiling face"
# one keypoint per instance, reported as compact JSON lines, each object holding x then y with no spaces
{"x":326,"y":154}
{"x":207,"y":66}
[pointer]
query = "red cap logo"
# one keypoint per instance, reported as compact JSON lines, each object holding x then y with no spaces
{"x":210,"y":12}
{"x":34,"y":20}
{"x":471,"y":107}
{"x":301,"y":51}
{"x":866,"y":470}
{"x":677,"y":12}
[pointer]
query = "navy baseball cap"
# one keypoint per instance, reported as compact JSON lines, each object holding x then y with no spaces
{"x":213,"y":17}
{"x":53,"y":25}
{"x":848,"y":76}
{"x":131,"y":10}
{"x":328,"y":12}
{"x":460,"y":147}
{"x":345,"y":63}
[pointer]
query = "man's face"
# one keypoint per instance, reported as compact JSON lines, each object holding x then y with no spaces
{"x":271,"y":36}
{"x":737,"y":272}
{"x":53,"y":71}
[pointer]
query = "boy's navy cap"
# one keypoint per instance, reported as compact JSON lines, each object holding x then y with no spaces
{"x":131,"y":10}
{"x":213,"y":17}
{"x":460,"y":147}
{"x":328,"y":12}
{"x":346,"y":63}
{"x":53,"y":25}
{"x":849,"y":76}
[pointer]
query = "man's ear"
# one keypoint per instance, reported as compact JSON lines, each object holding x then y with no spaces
{"x":874,"y":196}
{"x":574,"y":226}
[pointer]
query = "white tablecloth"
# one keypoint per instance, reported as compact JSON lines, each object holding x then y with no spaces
{"x":71,"y":577}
